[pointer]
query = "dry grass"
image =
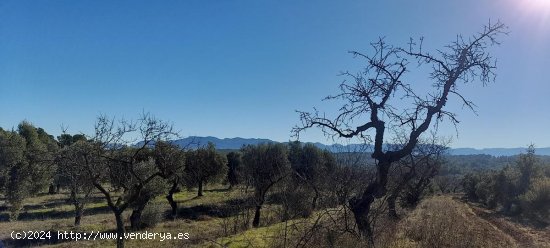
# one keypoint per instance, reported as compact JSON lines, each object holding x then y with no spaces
{"x":443,"y":222}
{"x":440,"y":221}
{"x":524,"y":233}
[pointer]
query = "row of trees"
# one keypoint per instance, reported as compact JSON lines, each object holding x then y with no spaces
{"x":109,"y":161}
{"x":302,"y":178}
{"x":299,"y":173}
{"x":129,"y":173}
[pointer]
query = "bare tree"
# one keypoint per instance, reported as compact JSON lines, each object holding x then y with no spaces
{"x":417,"y":168}
{"x":124,"y":148}
{"x":447,"y":183}
{"x":426,"y":167}
{"x":375,"y":92}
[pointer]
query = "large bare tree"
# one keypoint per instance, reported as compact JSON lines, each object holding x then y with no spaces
{"x":382,"y":99}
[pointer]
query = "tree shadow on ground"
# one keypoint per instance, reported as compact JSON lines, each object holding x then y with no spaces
{"x":61,"y":202}
{"x":224,"y":209}
{"x":53,"y":203}
{"x":56,"y":214}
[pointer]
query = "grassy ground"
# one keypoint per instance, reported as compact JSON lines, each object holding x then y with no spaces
{"x":53,"y":212}
{"x":215,"y":220}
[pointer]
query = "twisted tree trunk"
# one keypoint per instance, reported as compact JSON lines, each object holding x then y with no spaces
{"x":170,"y":198}
{"x":361,"y":206}
{"x":135,"y":218}
{"x":392,"y":213}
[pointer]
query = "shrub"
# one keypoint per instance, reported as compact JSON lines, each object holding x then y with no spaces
{"x":536,"y":201}
{"x":297,"y":203}
{"x":152,"y":215}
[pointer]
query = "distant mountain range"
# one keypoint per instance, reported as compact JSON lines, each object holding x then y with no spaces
{"x":498,"y":151}
{"x":237,"y":143}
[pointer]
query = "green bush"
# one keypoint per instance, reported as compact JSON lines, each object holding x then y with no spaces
{"x":536,"y":201}
{"x":152,"y":215}
{"x":297,"y":203}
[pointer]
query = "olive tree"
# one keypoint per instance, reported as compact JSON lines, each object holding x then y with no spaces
{"x":204,"y":165}
{"x":26,"y":163}
{"x":170,"y":160}
{"x":39,"y":153}
{"x":265,"y":165}
{"x":66,"y":139}
{"x":14,"y":171}
{"x":152,"y":189}
{"x":312,"y":168}
{"x":383,"y":99}
{"x":235,"y":169}
{"x":73,"y":160}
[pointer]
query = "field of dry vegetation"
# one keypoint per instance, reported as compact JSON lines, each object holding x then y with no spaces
{"x":438,"y":221}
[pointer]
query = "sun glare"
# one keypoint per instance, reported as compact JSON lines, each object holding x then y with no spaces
{"x":536,"y":13}
{"x":537,"y":5}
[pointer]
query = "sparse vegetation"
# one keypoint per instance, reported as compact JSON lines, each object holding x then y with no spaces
{"x":136,"y":183}
{"x":517,"y":190}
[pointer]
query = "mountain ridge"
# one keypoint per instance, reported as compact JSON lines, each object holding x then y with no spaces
{"x":238,"y":142}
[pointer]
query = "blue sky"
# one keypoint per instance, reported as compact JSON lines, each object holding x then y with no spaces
{"x":241,"y":68}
